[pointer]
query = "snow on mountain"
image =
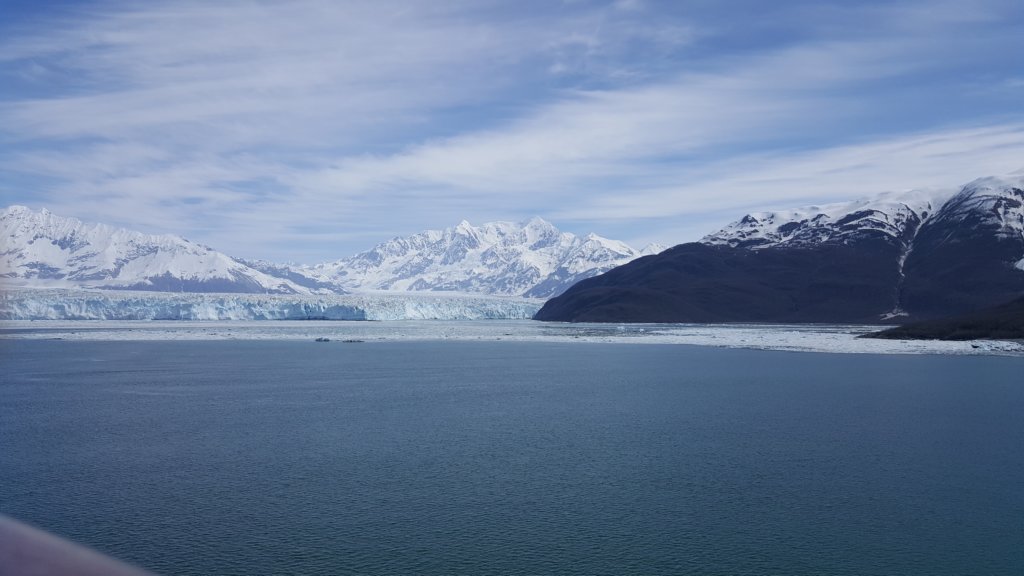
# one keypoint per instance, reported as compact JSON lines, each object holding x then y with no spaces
{"x":985,"y":208}
{"x":44,"y":250}
{"x":29,"y":304}
{"x":897,"y":215}
{"x":652,"y":249}
{"x":996,"y":204}
{"x":531,"y":259}
{"x":893,"y":214}
{"x":919,"y":255}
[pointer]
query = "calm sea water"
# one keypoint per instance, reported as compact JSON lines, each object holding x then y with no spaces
{"x":515,"y":458}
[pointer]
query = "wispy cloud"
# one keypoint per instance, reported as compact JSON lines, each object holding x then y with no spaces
{"x":304,"y":130}
{"x":936,"y":160}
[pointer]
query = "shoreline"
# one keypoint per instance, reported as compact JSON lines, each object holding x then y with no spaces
{"x":842,"y":339}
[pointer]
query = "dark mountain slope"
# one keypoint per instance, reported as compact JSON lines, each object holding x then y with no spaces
{"x":969,"y":256}
{"x":701,"y":283}
{"x":1001,"y":322}
{"x":898,"y":256}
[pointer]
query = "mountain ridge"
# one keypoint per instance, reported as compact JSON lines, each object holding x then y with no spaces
{"x":531,"y":258}
{"x":42,"y":249}
{"x":528,"y":259}
{"x":914,"y":255}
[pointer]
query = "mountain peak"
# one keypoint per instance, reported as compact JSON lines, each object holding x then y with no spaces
{"x":652,"y":248}
{"x":536,"y":222}
{"x":538,"y":225}
{"x":17,"y":209}
{"x":916,"y":254}
{"x":889,"y":214}
{"x":530,"y":258}
{"x":46,"y":250}
{"x":996,"y":203}
{"x":1014,"y":180}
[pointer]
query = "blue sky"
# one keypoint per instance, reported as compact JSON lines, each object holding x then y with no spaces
{"x":308,"y":130}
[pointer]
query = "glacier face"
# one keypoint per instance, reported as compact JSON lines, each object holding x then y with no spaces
{"x":36,"y":304}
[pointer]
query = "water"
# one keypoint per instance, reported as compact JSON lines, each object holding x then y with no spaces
{"x":261,"y":457}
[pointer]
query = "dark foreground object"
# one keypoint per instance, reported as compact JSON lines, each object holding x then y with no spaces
{"x":25,"y":551}
{"x":1004,"y":322}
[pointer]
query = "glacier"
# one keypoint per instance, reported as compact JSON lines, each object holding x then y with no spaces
{"x":59,"y":304}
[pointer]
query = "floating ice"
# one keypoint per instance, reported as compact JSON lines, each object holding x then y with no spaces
{"x":790,"y":338}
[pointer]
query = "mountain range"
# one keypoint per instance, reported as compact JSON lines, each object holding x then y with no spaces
{"x":41,"y":249}
{"x":894,"y":257}
{"x":530,"y":259}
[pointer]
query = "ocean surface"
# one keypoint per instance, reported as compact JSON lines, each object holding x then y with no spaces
{"x":459,"y":457}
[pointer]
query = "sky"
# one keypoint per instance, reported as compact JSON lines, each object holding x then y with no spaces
{"x":309,"y":130}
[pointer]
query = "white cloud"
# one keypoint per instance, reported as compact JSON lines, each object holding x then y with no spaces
{"x":306,"y":129}
{"x":662,"y":133}
{"x":941,"y":159}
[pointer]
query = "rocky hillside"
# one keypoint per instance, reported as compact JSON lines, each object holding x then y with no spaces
{"x":893,"y":257}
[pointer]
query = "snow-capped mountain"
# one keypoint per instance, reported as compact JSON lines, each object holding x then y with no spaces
{"x":988,"y":206}
{"x":994,"y":204}
{"x":895,"y":215}
{"x":44,"y":250}
{"x":914,"y":254}
{"x":531,"y":259}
